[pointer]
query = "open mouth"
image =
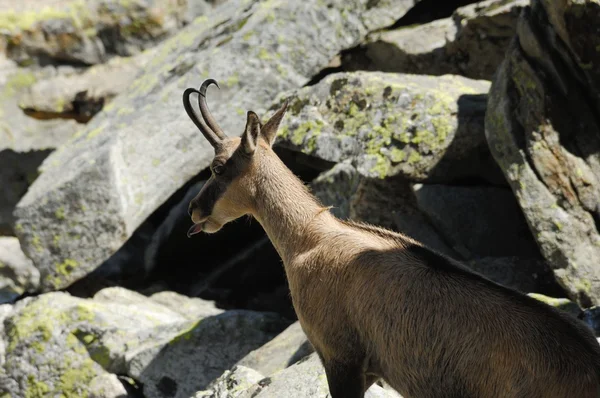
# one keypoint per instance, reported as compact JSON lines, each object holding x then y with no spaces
{"x":195,"y":229}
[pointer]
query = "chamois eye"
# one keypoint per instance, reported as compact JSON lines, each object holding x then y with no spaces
{"x":218,"y":169}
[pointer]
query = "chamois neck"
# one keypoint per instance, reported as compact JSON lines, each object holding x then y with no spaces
{"x":288,"y":212}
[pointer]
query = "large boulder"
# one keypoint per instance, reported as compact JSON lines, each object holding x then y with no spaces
{"x":73,"y":31}
{"x":17,"y":273}
{"x":389,"y":203}
{"x":304,"y":379}
{"x":478,"y":221}
{"x":98,"y":188}
{"x":417,"y":127}
{"x":58,"y":344}
{"x":188,"y":362}
{"x":231,"y":384}
{"x":543,"y":130}
{"x":286,"y":349}
{"x":471,"y":43}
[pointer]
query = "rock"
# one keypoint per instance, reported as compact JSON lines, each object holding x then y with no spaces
{"x":17,"y":171}
{"x":417,"y":127}
{"x":83,"y":95}
{"x":542,"y":129}
{"x":591,"y":316}
{"x":471,"y":43}
{"x":88,"y":32}
{"x":232,"y":383}
{"x":562,"y":304}
{"x":389,"y":203}
{"x":100,"y":186}
{"x":286,"y":349}
{"x":24,"y":141}
{"x":478,"y":221}
{"x":526,"y":275}
{"x":17,"y":273}
{"x":5,"y":310}
{"x":107,"y":386}
{"x":304,"y":379}
{"x":58,"y":344}
{"x":190,"y":361}
{"x":190,"y":308}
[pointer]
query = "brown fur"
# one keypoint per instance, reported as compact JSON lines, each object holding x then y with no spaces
{"x":377,"y":304}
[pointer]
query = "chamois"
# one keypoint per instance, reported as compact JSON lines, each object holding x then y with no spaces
{"x":378,"y":304}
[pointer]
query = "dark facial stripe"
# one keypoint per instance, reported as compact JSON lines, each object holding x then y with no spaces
{"x":216,"y":186}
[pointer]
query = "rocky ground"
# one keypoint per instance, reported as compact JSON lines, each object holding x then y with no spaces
{"x":472,"y":127}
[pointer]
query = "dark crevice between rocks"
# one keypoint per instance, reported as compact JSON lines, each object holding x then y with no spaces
{"x":427,"y":11}
{"x":132,"y":387}
{"x":18,"y":170}
{"x":83,"y":109}
{"x":237,"y":267}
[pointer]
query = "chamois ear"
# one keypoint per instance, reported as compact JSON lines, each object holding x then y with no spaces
{"x":250,"y":135}
{"x":269,"y":130}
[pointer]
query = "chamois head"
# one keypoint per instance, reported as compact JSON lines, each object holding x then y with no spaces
{"x":228,"y":194}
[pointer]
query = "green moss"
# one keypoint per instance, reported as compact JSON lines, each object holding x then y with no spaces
{"x":66,"y":267}
{"x":83,"y":313}
{"x":60,"y":213}
{"x":37,"y":243}
{"x":558,"y":225}
{"x":34,"y":324}
{"x":95,"y":132}
{"x":155,"y":162}
{"x":233,"y":80}
{"x":126,"y":110}
{"x":397,"y":155}
{"x":310,"y":127}
{"x":35,"y":388}
{"x":56,"y":240}
{"x":186,"y":334}
{"x":19,"y":228}
{"x":353,"y":110}
{"x":414,"y":157}
{"x":18,"y":81}
{"x":282,"y":71}
{"x":14,"y":22}
{"x":283,"y":132}
{"x":74,"y":381}
{"x":264,"y":55}
{"x":382,"y":167}
{"x":248,"y":35}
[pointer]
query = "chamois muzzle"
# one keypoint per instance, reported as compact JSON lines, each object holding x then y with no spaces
{"x":205,"y":121}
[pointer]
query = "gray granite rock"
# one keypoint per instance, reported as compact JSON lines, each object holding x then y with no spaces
{"x":385,"y":124}
{"x":542,"y":128}
{"x":286,"y":349}
{"x":187,"y":363}
{"x":304,"y":379}
{"x":17,"y":273}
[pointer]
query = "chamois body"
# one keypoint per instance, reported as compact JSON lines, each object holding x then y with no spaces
{"x":377,"y":304}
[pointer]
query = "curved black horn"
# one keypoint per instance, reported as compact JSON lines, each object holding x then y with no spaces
{"x":197,"y":119}
{"x":210,"y":120}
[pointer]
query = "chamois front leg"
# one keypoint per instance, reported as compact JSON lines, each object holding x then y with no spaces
{"x":345,"y":380}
